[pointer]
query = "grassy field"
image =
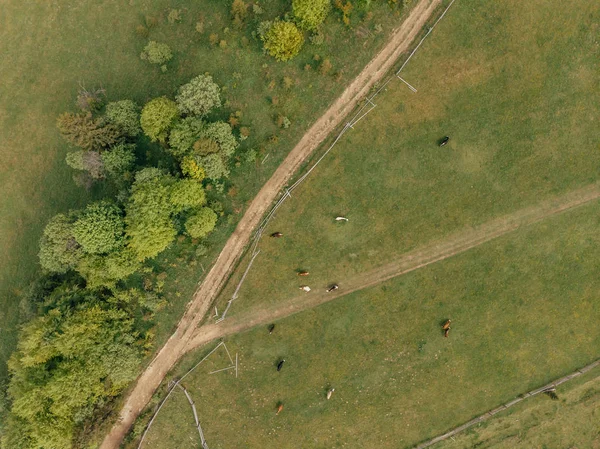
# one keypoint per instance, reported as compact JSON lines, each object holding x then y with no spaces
{"x":570,"y":422}
{"x":50,"y":48}
{"x":524,"y":311}
{"x":521,"y":109}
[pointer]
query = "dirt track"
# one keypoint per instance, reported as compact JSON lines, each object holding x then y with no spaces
{"x":434,"y":252}
{"x":178,"y":343}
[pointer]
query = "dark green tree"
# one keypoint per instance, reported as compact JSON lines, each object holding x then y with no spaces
{"x":158,"y":117}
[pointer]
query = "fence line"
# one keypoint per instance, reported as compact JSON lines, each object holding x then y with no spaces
{"x":503,"y":407}
{"x":359,"y":115}
{"x":171,"y":389}
{"x":189,"y":398}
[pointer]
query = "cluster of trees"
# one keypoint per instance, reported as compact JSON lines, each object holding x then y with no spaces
{"x":92,"y":321}
{"x":283,"y":39}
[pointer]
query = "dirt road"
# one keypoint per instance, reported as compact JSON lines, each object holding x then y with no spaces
{"x":434,"y":252}
{"x":177,"y":344}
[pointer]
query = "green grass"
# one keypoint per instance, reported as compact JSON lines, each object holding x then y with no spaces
{"x":514,"y":84}
{"x":524,"y":311}
{"x":539,"y":423}
{"x":48,"y":49}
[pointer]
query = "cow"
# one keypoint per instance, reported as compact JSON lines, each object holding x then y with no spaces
{"x":279,"y":409}
{"x":303,"y":273}
{"x":446,"y":332}
{"x":341,"y":219}
{"x":446,"y":324}
{"x":271,"y":328}
{"x":280,"y":364}
{"x":444,"y":141}
{"x":329,"y":393}
{"x":305,"y":288}
{"x":277,"y":234}
{"x":332,"y":288}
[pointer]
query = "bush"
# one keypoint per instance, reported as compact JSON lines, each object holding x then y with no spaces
{"x":310,"y":14}
{"x":126,"y":115}
{"x":239,"y":12}
{"x":199,"y":96}
{"x":158,"y":117}
{"x":201,"y":223}
{"x":283,"y":40}
{"x":157,"y":53}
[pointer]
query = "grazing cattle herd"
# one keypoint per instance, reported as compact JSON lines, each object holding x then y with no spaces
{"x":331,"y":288}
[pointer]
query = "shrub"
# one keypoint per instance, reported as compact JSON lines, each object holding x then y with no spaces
{"x":126,"y":115}
{"x":158,"y":117}
{"x":174,"y":16}
{"x":309,"y":14}
{"x":90,"y":100}
{"x":283,"y":40}
{"x":157,"y":53}
{"x":239,"y":12}
{"x":99,"y":230}
{"x":325,"y":67}
{"x":317,"y":38}
{"x":201,"y":223}
{"x":199,"y":96}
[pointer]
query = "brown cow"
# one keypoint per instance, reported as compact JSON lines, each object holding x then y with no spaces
{"x":279,"y":409}
{"x":277,"y":234}
{"x":303,"y":273}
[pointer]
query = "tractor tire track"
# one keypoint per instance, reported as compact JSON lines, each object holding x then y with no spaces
{"x":436,"y":251}
{"x":177,"y":344}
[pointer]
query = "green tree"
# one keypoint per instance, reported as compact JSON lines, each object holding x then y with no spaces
{"x":86,"y":132}
{"x":119,"y":159}
{"x":213,"y":166}
{"x":283,"y":40}
{"x":158,"y":117}
{"x":191,"y":168}
{"x":126,"y":115}
{"x":106,"y":271}
{"x":67,"y":364}
{"x":187,"y":193}
{"x":199,"y":96}
{"x":88,"y":161}
{"x":309,"y":14}
{"x":59,"y":251}
{"x":201,"y":223}
{"x":157,"y":53}
{"x":99,"y":229}
{"x":184,"y":134}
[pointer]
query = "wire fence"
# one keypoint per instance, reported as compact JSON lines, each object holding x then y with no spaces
{"x":367,"y":106}
{"x":503,"y":407}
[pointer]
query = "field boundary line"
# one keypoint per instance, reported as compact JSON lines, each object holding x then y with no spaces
{"x":485,"y":416}
{"x":421,"y":257}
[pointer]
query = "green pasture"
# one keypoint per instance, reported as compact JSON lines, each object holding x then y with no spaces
{"x":51,"y":48}
{"x":524,"y":311}
{"x":540,"y":423}
{"x":515,"y":86}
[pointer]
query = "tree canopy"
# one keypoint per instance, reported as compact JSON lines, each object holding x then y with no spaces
{"x":158,"y":117}
{"x":309,"y":14}
{"x":199,"y":96}
{"x":126,"y":115}
{"x":99,"y":229}
{"x":201,"y":223}
{"x":283,"y":40}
